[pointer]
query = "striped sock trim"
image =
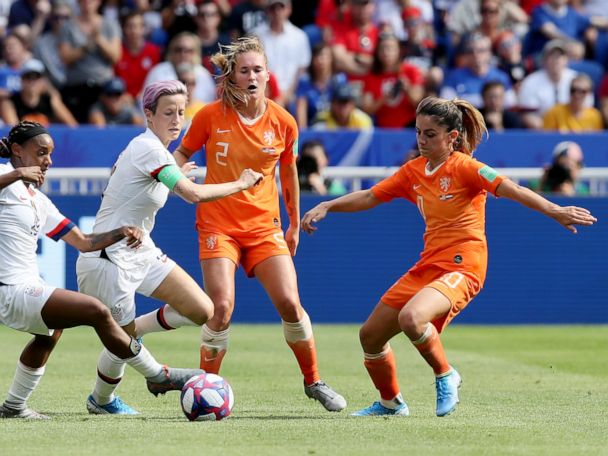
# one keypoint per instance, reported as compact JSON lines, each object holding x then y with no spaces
{"x":160,"y":317}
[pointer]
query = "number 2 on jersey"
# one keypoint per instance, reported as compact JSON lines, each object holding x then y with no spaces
{"x":222,"y":154}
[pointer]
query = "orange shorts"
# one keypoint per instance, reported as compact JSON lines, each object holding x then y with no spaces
{"x":247,"y":251}
{"x":460,"y":287}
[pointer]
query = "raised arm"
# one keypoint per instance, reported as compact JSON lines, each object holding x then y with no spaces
{"x":567,"y":216}
{"x":291,"y":195}
{"x":353,"y":202}
{"x":97,"y":241}
{"x":28,"y":174}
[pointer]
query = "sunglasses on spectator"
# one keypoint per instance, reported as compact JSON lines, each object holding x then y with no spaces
{"x":580,"y":90}
{"x":31,"y":76}
{"x":206,"y":15}
{"x":489,"y":11}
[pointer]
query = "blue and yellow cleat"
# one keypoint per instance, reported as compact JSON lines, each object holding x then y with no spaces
{"x":116,"y":407}
{"x":447,"y":392}
{"x":377,"y":409}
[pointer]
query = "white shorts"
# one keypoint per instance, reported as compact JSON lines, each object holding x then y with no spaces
{"x":116,"y":287}
{"x":21,"y":306}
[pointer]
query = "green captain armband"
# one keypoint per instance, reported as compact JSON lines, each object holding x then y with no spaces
{"x":170,"y":175}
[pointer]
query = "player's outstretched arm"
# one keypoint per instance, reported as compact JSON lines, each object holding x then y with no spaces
{"x":567,"y":216}
{"x":97,"y":241}
{"x":353,"y":202}
{"x":28,"y":174}
{"x":200,"y":193}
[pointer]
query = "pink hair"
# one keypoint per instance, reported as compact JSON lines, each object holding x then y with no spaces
{"x":154,"y":91}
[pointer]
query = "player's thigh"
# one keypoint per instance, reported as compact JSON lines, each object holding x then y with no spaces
{"x":380,"y":327}
{"x":181,"y":292}
{"x":277,"y":275}
{"x":218,"y":279}
{"x":425,"y":306}
{"x":66,"y":309}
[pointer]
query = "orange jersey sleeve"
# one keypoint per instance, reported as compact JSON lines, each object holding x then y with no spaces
{"x":231,"y":145}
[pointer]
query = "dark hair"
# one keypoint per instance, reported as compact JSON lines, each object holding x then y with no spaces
{"x":459,"y":115}
{"x":19,"y":134}
{"x":554,"y":177}
{"x":490,"y":85}
{"x":316,"y":50}
{"x":311,"y":144}
{"x":377,"y":67}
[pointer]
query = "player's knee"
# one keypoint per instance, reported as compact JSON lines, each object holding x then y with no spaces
{"x":204,"y":311}
{"x":290,"y":308}
{"x":47,"y":343}
{"x":222,"y":311}
{"x":410,"y":320}
{"x":368,"y":339}
{"x":98,"y":314}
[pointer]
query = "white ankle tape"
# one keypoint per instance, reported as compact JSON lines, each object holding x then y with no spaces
{"x":300,"y":330}
{"x":428,"y":333}
{"x":216,"y":340}
{"x":382,"y":354}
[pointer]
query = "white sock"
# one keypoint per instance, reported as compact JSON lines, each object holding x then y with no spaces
{"x":214,"y":341}
{"x":145,"y":364}
{"x":165,"y":318}
{"x":300,"y":330}
{"x":111,"y":367}
{"x":393,"y":403}
{"x":24,"y":383}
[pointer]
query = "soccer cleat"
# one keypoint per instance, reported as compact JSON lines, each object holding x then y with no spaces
{"x":26,"y":413}
{"x":447,"y":392}
{"x":116,"y":407}
{"x":377,"y":409}
{"x":323,"y":393}
{"x":174,"y":380}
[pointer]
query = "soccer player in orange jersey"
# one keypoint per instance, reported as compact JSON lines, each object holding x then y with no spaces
{"x":449,"y":188}
{"x":244,"y":129}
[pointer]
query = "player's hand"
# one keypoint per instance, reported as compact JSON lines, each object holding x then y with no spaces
{"x":570,"y":216}
{"x":292,"y":237}
{"x":134,"y":236}
{"x":32,"y":174}
{"x":316,"y":214}
{"x":187,"y":168}
{"x":249,"y":178}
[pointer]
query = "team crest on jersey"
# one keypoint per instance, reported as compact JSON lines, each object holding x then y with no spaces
{"x":269,"y":137}
{"x":211,"y":242}
{"x":444,"y":184}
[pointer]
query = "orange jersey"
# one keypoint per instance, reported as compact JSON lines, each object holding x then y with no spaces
{"x":452,"y":201}
{"x":231,"y":146}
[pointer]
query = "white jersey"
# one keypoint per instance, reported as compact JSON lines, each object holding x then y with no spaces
{"x":25,"y":214}
{"x":133,"y":197}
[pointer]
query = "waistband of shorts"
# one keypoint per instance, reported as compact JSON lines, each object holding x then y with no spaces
{"x":3,"y":284}
{"x":103,"y":254}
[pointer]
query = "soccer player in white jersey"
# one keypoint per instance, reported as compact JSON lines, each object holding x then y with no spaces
{"x":29,"y":304}
{"x":142,"y":178}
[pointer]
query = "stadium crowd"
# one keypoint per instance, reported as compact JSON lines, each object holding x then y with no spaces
{"x":536,"y":64}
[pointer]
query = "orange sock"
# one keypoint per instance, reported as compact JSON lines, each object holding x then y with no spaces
{"x":382,"y":369}
{"x":211,"y":360}
{"x":306,"y":355}
{"x":430,"y":347}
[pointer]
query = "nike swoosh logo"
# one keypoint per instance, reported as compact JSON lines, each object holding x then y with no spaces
{"x":223,"y":131}
{"x":416,"y":186}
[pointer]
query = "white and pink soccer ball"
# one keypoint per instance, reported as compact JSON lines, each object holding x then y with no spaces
{"x":207,"y":397}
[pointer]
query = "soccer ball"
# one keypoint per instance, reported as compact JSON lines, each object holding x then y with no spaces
{"x":207,"y":397}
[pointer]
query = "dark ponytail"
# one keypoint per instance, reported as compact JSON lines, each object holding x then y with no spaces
{"x":5,"y":148}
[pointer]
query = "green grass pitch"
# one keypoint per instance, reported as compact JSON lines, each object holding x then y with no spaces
{"x":526,"y":391}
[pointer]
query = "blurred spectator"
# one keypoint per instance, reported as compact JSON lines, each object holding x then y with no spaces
{"x":37,"y":101}
{"x":138,"y":55}
{"x":311,"y":163}
{"x":392,"y":89}
{"x":287,"y":47}
{"x":313,"y":93}
{"x":417,"y":48}
{"x":494,"y":112}
{"x":15,"y":54}
{"x":353,"y":48}
{"x":185,"y":47}
{"x":555,"y":19}
{"x":489,"y":24}
{"x":575,"y":116}
{"x":562,"y":176}
{"x":89,"y":46}
{"x":465,"y":17}
{"x":508,"y":50}
{"x":246,"y":16}
{"x":46,"y":48}
{"x":333,"y":17}
{"x":343,"y":112}
{"x":390,"y":11}
{"x":466,"y":82}
{"x":208,"y":20}
{"x":32,"y":13}
{"x":113,"y":107}
{"x":178,"y":16}
{"x":603,"y":99}
{"x":186,"y":74}
{"x":546,"y":87}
